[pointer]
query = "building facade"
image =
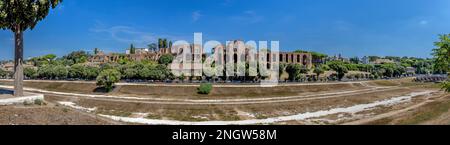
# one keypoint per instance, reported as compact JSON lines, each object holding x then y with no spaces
{"x":194,"y":54}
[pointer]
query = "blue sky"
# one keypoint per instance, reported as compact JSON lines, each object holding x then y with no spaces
{"x":350,"y":27}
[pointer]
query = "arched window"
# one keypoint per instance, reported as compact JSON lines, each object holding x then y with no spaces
{"x":281,"y":57}
{"x":305,"y":60}
{"x":298,"y":58}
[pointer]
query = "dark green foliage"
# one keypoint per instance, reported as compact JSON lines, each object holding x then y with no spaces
{"x":132,"y":49}
{"x":30,"y":73}
{"x":294,"y":71}
{"x":52,"y":72}
{"x":339,"y":67}
{"x":166,"y":59}
{"x":20,"y":15}
{"x":107,"y":79}
{"x":77,"y":57}
{"x":3,"y":73}
{"x":205,"y":88}
{"x":442,"y":57}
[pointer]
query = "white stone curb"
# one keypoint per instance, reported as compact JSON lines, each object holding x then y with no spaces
{"x":21,"y":100}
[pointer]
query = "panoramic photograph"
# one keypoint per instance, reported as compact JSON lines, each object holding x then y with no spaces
{"x":224,"y":62}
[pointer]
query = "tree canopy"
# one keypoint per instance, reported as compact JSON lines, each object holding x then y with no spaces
{"x":339,"y":67}
{"x":108,"y":78}
{"x":442,"y":57}
{"x":442,"y":53}
{"x":20,"y":15}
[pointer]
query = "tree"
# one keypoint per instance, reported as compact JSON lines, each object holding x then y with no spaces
{"x":318,"y":70}
{"x":442,"y":53}
{"x":281,"y":69}
{"x":96,"y":51}
{"x":182,"y":77}
{"x":153,"y":47}
{"x":442,"y":57}
{"x":388,"y":70}
{"x":132,"y":49}
{"x":108,"y":78}
{"x":30,"y":73}
{"x":162,"y":43}
{"x":130,"y":73}
{"x":60,"y":72}
{"x":446,"y":86}
{"x":90,"y":73}
{"x":354,"y":60}
{"x":166,"y":59}
{"x":294,"y":71}
{"x":77,"y":57}
{"x":49,"y":57}
{"x":76,"y":71}
{"x":339,"y":67}
{"x":373,"y":58}
{"x":19,"y":16}
{"x":2,"y":73}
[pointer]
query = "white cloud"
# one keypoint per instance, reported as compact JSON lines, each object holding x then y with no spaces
{"x":196,"y":16}
{"x":423,"y":22}
{"x":126,"y":34}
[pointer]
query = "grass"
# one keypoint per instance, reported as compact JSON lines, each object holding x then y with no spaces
{"x":260,"y":116}
{"x":428,"y":112}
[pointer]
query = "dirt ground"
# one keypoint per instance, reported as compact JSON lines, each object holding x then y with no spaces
{"x":47,"y":115}
{"x":187,"y":92}
{"x":434,"y":111}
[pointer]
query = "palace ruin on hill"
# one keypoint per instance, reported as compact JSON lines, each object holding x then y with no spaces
{"x":304,"y":59}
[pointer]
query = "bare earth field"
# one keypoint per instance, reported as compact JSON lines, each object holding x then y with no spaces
{"x":372,"y":102}
{"x":47,"y":115}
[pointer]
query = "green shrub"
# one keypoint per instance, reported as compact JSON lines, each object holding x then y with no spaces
{"x":107,"y":78}
{"x":39,"y":102}
{"x":446,"y":86}
{"x":205,"y":88}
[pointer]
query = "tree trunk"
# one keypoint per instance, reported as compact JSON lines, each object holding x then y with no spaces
{"x":18,"y":64}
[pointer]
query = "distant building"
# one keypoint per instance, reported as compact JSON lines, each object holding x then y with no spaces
{"x":411,"y":70}
{"x":365,"y":60}
{"x":305,"y":59}
{"x":383,"y":61}
{"x":140,"y":55}
{"x":338,"y":58}
{"x":138,"y":51}
{"x":9,"y":66}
